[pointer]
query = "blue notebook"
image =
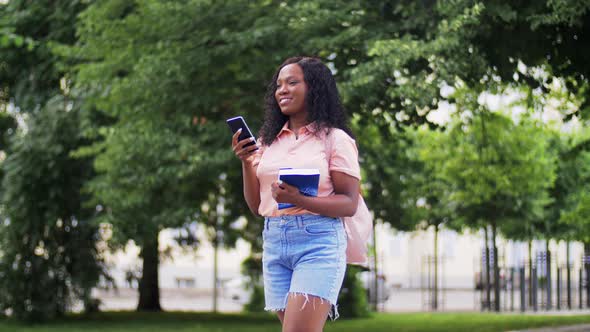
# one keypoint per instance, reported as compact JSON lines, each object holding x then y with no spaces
{"x":306,"y":179}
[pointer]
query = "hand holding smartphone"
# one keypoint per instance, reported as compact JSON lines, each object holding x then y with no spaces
{"x":244,"y":143}
{"x":238,"y":123}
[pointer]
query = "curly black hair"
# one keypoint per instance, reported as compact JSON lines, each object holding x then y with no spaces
{"x":322,"y":101}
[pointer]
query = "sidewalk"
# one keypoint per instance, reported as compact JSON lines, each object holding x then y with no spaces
{"x":401,"y":300}
{"x":571,"y":328}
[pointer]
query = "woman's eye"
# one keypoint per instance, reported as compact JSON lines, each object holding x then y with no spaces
{"x":293,"y":82}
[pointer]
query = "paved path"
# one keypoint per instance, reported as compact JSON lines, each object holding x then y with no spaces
{"x":572,"y":328}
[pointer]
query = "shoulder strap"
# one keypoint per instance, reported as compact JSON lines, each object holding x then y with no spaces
{"x":328,"y":146}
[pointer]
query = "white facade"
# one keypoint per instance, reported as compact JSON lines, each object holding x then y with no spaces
{"x":183,"y":269}
{"x":401,"y":256}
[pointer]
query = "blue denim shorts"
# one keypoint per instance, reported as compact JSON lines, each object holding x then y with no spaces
{"x":303,"y":255}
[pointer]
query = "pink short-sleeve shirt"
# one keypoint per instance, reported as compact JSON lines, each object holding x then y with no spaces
{"x":306,"y":151}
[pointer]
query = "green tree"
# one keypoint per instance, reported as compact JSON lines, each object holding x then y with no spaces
{"x":48,"y":242}
{"x":574,"y":212}
{"x":499,"y":171}
{"x":168,"y":95}
{"x":30,"y":72}
{"x":49,"y":258}
{"x":427,"y":193}
{"x":411,"y":49}
{"x":576,"y":175}
{"x":218,"y":220}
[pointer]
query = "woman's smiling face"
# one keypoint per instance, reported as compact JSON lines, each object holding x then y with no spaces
{"x":291,"y":90}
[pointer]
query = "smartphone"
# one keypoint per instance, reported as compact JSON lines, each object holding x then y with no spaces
{"x":237,"y":123}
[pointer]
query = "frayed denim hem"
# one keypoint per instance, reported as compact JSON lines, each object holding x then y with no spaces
{"x":332,"y":314}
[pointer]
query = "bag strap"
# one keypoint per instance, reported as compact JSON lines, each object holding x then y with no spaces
{"x":328,"y":145}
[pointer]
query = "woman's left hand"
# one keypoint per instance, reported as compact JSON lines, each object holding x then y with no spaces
{"x":284,"y":193}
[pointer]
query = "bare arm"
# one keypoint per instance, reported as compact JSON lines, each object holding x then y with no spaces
{"x":251,"y":185}
{"x":342,"y":204}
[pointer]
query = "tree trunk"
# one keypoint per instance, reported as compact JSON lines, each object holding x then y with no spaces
{"x":435,"y":290}
{"x":488,"y":276}
{"x":531,"y":262}
{"x":568,"y":275}
{"x":376,"y":271}
{"x":215,"y":268}
{"x":149,"y":291}
{"x":496,"y":270}
{"x":548,"y":277}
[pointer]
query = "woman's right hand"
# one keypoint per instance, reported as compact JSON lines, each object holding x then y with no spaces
{"x":246,"y":154}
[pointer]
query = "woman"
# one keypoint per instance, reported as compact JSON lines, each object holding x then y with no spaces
{"x":304,"y":252}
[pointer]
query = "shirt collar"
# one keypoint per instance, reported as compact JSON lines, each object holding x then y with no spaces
{"x":310,"y":128}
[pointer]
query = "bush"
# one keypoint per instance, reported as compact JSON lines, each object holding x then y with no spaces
{"x":252,"y":267}
{"x":352,"y":301}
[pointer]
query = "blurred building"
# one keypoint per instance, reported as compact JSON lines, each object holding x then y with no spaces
{"x":405,"y":259}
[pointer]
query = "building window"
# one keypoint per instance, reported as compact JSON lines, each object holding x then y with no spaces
{"x":185,"y":282}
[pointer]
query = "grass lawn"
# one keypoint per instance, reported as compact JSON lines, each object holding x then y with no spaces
{"x":205,"y":322}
